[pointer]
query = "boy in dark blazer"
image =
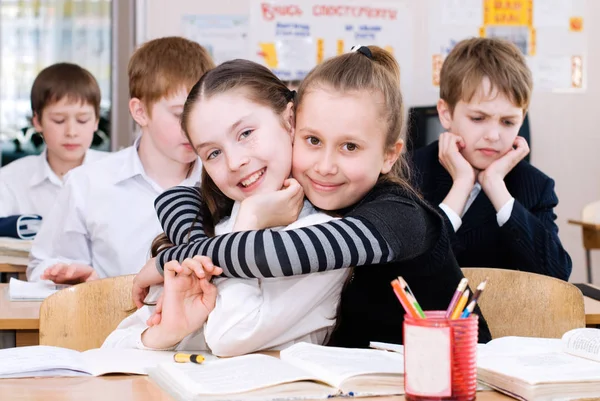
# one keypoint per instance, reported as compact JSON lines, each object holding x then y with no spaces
{"x":499,"y":208}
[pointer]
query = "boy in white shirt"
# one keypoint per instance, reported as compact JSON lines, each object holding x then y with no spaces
{"x":65,"y":103}
{"x":104,"y":221}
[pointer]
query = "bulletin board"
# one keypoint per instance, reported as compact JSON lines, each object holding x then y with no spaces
{"x":292,"y":36}
{"x":550,"y":33}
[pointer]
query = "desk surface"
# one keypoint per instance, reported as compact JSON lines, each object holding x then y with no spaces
{"x":126,"y":388}
{"x":18,"y":315}
{"x":26,"y":315}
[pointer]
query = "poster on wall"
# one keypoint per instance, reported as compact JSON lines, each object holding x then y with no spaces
{"x":291,"y":37}
{"x":224,"y":36}
{"x":550,"y":33}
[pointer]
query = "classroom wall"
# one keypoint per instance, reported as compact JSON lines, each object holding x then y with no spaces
{"x":565,"y":128}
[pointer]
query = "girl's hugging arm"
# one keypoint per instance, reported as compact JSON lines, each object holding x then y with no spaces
{"x":178,"y":210}
{"x":384,"y":228}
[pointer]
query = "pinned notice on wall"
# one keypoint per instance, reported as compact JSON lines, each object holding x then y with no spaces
{"x":550,"y":33}
{"x":224,"y":36}
{"x":291,"y":37}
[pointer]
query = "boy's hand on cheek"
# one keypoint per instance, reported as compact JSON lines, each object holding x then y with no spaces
{"x":450,"y":156}
{"x":492,"y":178}
{"x":279,"y":208}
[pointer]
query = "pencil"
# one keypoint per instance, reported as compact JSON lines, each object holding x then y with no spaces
{"x":408,"y":307}
{"x":460,"y":305}
{"x":459,"y":290}
{"x":469,"y":309}
{"x":181,"y":357}
{"x":411,"y":297}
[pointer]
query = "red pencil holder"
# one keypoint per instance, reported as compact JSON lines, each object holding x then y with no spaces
{"x":440,"y":357}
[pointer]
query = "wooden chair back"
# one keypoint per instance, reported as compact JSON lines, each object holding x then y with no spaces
{"x":82,"y":316}
{"x":517,"y":303}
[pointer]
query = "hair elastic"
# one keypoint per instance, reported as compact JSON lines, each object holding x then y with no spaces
{"x":290,"y":95}
{"x":364,"y":50}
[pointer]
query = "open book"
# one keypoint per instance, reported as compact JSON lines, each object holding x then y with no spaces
{"x":303,"y":371}
{"x":541,"y":368}
{"x":19,"y":290}
{"x":40,"y":360}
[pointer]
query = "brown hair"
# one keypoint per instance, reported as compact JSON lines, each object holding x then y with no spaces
{"x":472,"y":60}
{"x":64,"y":80}
{"x":260,"y":85}
{"x":162,"y":67}
{"x":376,"y":72}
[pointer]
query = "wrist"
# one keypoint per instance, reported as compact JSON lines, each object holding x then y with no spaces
{"x":156,"y":338}
{"x":497,"y":193}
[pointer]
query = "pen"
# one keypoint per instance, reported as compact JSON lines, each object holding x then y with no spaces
{"x":461,"y":304}
{"x":411,"y":297}
{"x":469,"y":309}
{"x":459,"y":290}
{"x":402,"y":297}
{"x":181,"y":357}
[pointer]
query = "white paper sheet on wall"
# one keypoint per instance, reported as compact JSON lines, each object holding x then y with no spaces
{"x":224,"y":36}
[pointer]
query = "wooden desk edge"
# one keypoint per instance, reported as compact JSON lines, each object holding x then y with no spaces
{"x":584,"y":224}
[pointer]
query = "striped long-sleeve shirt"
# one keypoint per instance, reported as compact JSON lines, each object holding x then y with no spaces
{"x":355,"y":240}
{"x":389,"y":232}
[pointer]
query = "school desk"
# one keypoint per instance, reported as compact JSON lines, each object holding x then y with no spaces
{"x":592,"y":311}
{"x":122,"y":388}
{"x":21,"y":317}
{"x":591,"y":240}
{"x":13,"y":265}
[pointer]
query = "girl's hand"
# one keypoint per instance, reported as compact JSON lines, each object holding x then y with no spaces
{"x":73,"y":273}
{"x":201,"y":266}
{"x":186,"y":304}
{"x":279,"y":208}
{"x":147,"y":277}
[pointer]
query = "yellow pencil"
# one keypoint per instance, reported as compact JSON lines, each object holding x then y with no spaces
{"x":181,"y":357}
{"x":460,"y":305}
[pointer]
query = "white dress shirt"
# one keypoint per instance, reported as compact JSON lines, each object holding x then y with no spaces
{"x":256,"y":314}
{"x":29,"y":186}
{"x":501,"y":217}
{"x":104,"y":217}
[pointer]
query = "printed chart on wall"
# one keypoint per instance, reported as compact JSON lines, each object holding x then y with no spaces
{"x":224,"y":36}
{"x":550,"y":33}
{"x":291,"y":37}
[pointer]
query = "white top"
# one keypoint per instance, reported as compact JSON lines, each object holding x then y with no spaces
{"x":255,"y":314}
{"x":501,"y":217}
{"x":29,"y":186}
{"x":104,"y":217}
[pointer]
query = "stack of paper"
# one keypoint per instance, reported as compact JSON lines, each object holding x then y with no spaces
{"x":19,"y":290}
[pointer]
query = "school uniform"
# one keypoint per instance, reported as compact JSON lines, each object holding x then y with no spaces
{"x":28,"y":189}
{"x":522,"y":236}
{"x":104,"y":217}
{"x":253,"y":314}
{"x":390,"y":232}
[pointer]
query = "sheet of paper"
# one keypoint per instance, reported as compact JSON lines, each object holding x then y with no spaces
{"x":19,"y":290}
{"x":583,"y":342}
{"x":338,"y":364}
{"x":235,"y":375}
{"x":21,"y":360}
{"x":551,"y":367}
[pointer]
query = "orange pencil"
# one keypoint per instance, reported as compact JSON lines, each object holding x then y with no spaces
{"x":460,"y":305}
{"x":406,"y":304}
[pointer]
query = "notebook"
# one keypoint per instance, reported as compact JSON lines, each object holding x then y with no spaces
{"x":44,"y":361}
{"x":19,"y":290}
{"x":543,"y":369}
{"x":303,"y":371}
